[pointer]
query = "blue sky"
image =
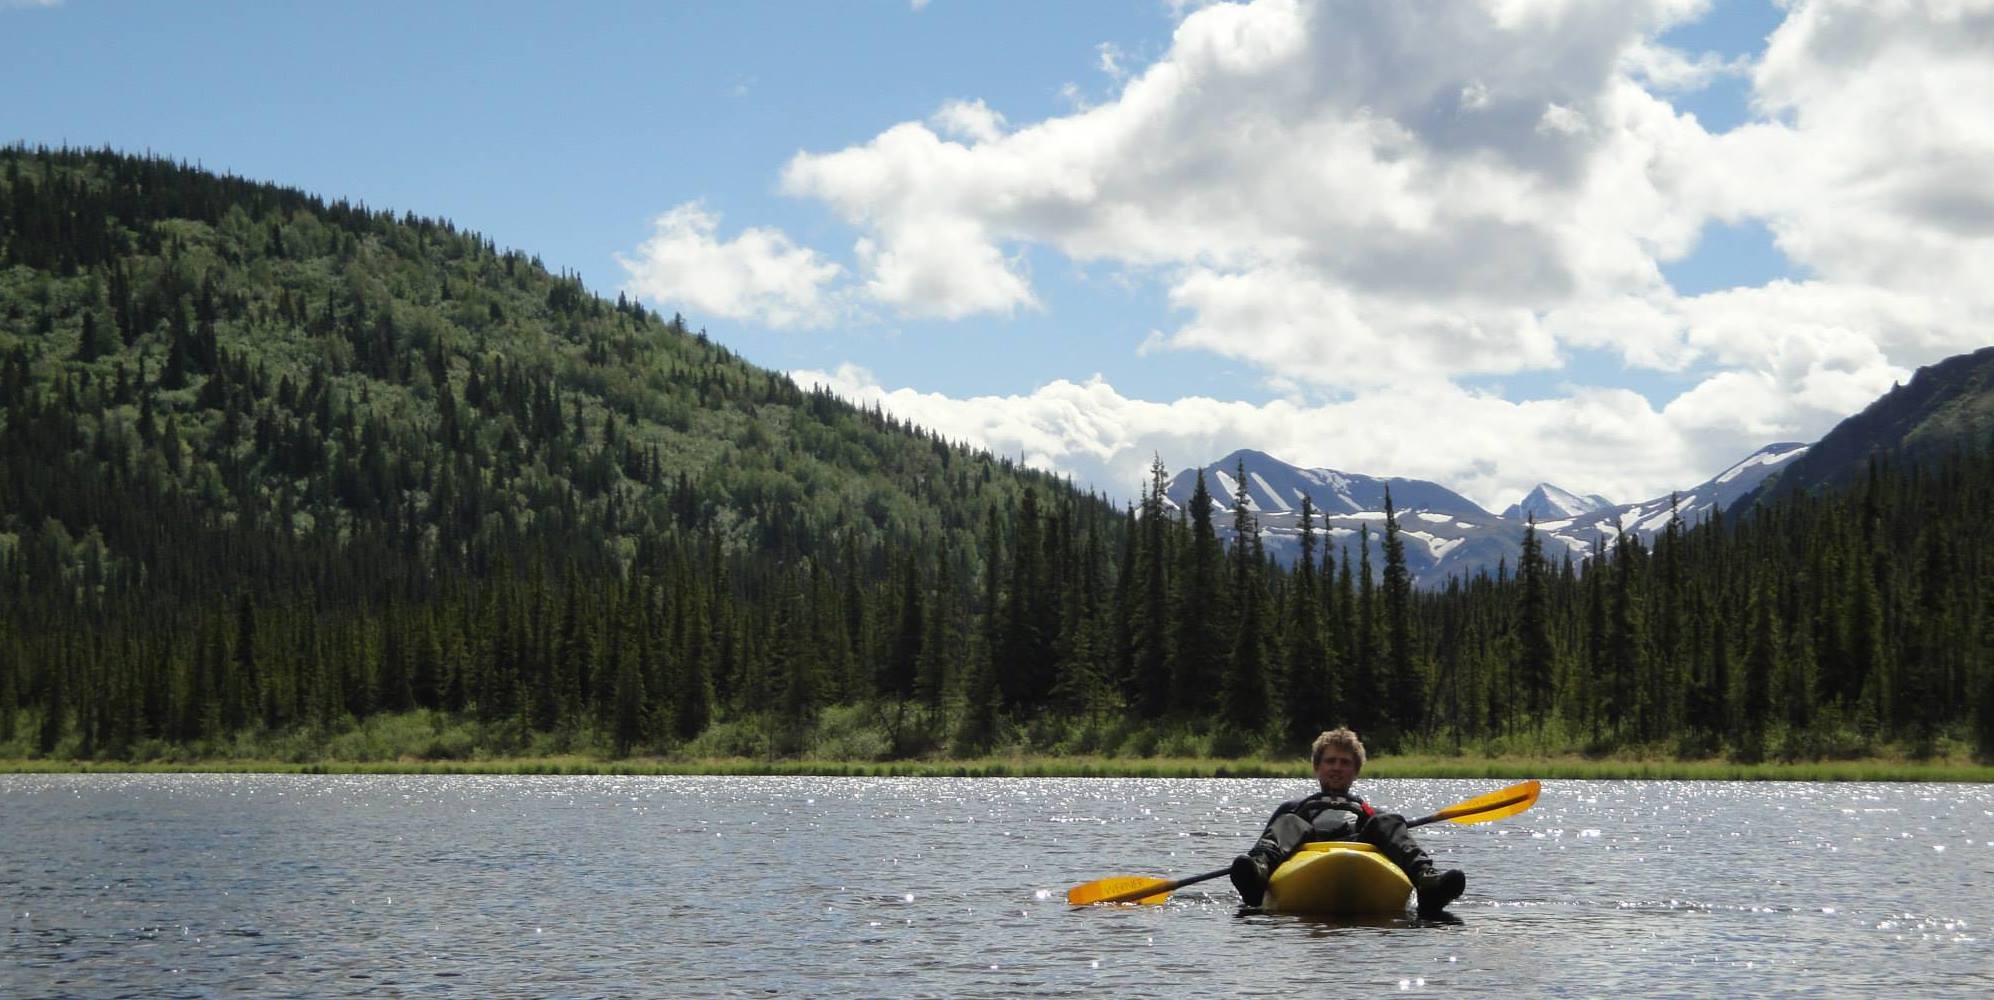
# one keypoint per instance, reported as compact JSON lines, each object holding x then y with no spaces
{"x":1613,"y":246}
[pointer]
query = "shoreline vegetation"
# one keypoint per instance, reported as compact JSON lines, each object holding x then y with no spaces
{"x":848,"y":741}
{"x":1041,"y":766}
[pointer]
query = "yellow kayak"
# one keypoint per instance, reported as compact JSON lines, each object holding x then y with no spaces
{"x":1338,"y":878}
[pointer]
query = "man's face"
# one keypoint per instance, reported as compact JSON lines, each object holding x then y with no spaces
{"x":1335,"y":769}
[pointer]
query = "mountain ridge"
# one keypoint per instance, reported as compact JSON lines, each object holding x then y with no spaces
{"x":1448,"y":535}
{"x":1947,"y":405}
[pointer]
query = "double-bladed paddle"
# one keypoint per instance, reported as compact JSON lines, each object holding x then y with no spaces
{"x":1140,"y":889}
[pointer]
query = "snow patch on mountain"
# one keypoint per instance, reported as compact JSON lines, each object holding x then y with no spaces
{"x":1456,"y":538}
{"x":1548,"y":502}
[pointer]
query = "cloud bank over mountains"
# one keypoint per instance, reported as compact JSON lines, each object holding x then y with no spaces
{"x":1378,"y":206}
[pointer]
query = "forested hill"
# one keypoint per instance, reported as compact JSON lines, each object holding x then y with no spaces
{"x":232,"y":409}
{"x":319,"y":369}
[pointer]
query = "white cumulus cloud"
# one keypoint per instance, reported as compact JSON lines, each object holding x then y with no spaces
{"x":1372,"y":203}
{"x":759,"y":275}
{"x":1400,"y":166}
{"x":972,"y":120}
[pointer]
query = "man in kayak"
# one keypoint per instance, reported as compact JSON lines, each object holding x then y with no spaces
{"x":1337,"y":813}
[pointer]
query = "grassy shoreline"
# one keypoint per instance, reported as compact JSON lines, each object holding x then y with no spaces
{"x":1950,"y":770}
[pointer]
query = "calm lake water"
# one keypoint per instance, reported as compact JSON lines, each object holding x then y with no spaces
{"x":265,"y":885}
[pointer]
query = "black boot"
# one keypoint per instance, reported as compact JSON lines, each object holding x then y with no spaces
{"x":1249,"y":876}
{"x":1436,"y":888}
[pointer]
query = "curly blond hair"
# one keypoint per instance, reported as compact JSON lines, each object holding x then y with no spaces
{"x":1342,"y":739}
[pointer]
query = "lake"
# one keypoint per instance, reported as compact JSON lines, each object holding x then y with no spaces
{"x":277,"y":885}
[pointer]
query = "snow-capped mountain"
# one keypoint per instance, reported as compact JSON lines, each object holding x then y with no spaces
{"x":1548,"y":502}
{"x":1649,"y":517}
{"x":1273,"y":485}
{"x":1446,"y":534}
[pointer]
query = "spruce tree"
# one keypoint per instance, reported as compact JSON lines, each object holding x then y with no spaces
{"x":1197,"y":654}
{"x":1404,"y":678}
{"x":1861,"y":684}
{"x":246,"y":680}
{"x":628,"y":696}
{"x":393,"y":689}
{"x":1308,"y":685}
{"x":1796,"y":679}
{"x":1627,"y":639}
{"x":1535,"y":664}
{"x":978,"y":731}
{"x":1662,"y":689}
{"x":692,"y":698}
{"x":574,"y":661}
{"x":93,"y":343}
{"x":1151,"y":626}
{"x":1367,"y":695}
{"x":1722,"y":698}
{"x":55,"y":712}
{"x":426,"y":681}
{"x":1243,"y":691}
{"x":900,"y":669}
{"x":1762,"y":665}
{"x":10,"y":697}
{"x":935,"y":667}
{"x":1025,"y":669}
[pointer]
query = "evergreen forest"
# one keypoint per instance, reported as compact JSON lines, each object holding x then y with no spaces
{"x":287,"y":477}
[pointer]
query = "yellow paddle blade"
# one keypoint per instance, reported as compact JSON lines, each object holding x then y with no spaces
{"x":1493,"y":806}
{"x":1120,"y":889}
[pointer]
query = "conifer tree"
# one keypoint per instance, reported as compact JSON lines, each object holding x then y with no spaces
{"x":574,"y":660}
{"x":1025,"y":668}
{"x":10,"y":697}
{"x":900,"y":669}
{"x":1797,"y":665}
{"x":1762,"y":665}
{"x":939,"y":646}
{"x":245,"y":687}
{"x":55,"y":712}
{"x":1197,"y":654}
{"x":1535,"y":664}
{"x":93,"y":343}
{"x":1931,"y":634}
{"x":1627,"y":639}
{"x":393,"y":691}
{"x":692,"y":698}
{"x":1243,"y":693}
{"x":1308,"y":684}
{"x":628,"y":696}
{"x":1085,"y":687}
{"x":1661,"y":690}
{"x":1151,"y":628}
{"x":1367,"y":695}
{"x":1404,"y":678}
{"x":980,"y":700}
{"x":426,"y":680}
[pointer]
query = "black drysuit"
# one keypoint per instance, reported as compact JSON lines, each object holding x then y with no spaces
{"x":1338,"y":816}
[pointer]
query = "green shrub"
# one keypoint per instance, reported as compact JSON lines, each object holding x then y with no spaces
{"x":1138,"y":741}
{"x":851,"y":732}
{"x":1183,"y":741}
{"x":733,"y":738}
